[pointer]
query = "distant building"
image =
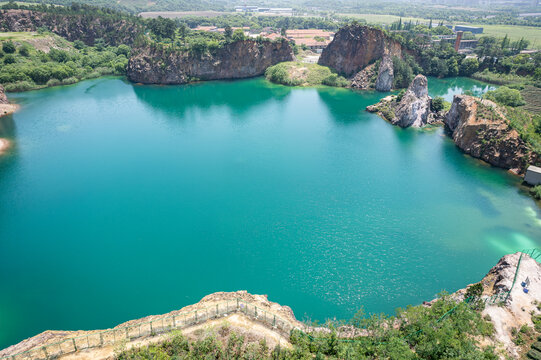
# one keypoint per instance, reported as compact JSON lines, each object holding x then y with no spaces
{"x":533,"y":175}
{"x":472,"y":29}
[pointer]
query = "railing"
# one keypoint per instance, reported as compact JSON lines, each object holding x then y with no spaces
{"x":166,"y":324}
{"x":154,"y":327}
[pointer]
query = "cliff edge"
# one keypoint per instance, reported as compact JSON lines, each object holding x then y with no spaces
{"x":480,"y":129}
{"x":354,"y":47}
{"x":236,"y":60}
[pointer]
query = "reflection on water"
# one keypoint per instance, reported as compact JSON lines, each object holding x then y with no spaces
{"x":179,"y":100}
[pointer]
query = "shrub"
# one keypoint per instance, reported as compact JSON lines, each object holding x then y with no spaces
{"x":335,"y":80}
{"x":400,"y":95}
{"x":58,"y":55}
{"x":438,"y":104}
{"x":8,"y":47}
{"x":469,"y":66}
{"x":505,"y":96}
{"x":536,"y":193}
{"x":24,"y":50}
{"x":20,"y":86}
{"x":9,"y":59}
{"x":78,"y":44}
{"x":277,"y":74}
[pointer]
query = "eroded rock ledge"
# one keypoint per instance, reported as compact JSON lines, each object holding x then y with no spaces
{"x":240,"y":59}
{"x":480,"y":129}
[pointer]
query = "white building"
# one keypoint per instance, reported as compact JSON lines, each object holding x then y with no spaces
{"x":533,"y":175}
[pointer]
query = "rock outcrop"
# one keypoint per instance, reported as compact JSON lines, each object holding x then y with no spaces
{"x":240,"y":59}
{"x":413,"y":109}
{"x":354,"y":47}
{"x":5,"y":107}
{"x":480,"y":129}
{"x":363,"y":80}
{"x":73,"y":27}
{"x":3,"y":97}
{"x":385,"y":78}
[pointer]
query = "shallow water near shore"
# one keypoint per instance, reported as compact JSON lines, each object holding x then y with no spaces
{"x":119,"y":201}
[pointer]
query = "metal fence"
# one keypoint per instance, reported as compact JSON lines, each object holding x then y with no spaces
{"x":168,"y":323}
{"x":154,"y":327}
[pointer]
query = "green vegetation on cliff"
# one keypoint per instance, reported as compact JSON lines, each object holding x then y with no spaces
{"x":34,"y":61}
{"x":417,"y":332}
{"x":303,"y":74}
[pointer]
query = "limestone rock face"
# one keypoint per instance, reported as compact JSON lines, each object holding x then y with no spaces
{"x":385,"y":79}
{"x":480,"y":129}
{"x":354,"y":47}
{"x":414,"y":108}
{"x":241,"y":59}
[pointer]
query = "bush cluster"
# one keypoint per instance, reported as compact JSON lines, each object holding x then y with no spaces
{"x":27,"y":68}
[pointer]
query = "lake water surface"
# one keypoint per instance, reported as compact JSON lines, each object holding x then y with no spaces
{"x":120,"y":201}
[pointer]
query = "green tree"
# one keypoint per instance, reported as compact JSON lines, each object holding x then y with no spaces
{"x":9,"y":59}
{"x":438,"y":104}
{"x":24,"y":50}
{"x":8,"y":47}
{"x":469,"y":66}
{"x":228,"y":32}
{"x":238,"y":35}
{"x":505,"y":96}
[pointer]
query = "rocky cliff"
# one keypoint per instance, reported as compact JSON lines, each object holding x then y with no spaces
{"x":385,"y":78}
{"x":87,"y":28}
{"x":480,"y":129}
{"x":354,"y":47}
{"x":241,"y":59}
{"x":413,"y":109}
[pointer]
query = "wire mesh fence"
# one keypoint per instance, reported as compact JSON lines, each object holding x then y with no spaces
{"x":164,"y":324}
{"x":157,"y":326}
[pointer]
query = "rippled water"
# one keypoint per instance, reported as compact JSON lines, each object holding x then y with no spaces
{"x":120,"y":201}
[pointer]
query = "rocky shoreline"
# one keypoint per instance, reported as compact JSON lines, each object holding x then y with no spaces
{"x":5,"y":109}
{"x":249,"y":310}
{"x":478,"y":127}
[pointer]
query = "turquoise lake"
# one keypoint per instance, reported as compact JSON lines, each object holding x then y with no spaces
{"x":120,"y":200}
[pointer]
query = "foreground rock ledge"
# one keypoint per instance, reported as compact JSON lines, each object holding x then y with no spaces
{"x":515,"y":312}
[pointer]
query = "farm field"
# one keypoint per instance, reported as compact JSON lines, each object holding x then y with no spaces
{"x":515,"y":32}
{"x":181,"y":14}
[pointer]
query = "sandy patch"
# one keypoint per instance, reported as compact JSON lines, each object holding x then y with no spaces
{"x":7,"y":109}
{"x":4,"y":145}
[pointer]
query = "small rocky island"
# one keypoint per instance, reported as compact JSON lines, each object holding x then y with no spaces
{"x":413,"y":108}
{"x":479,"y":127}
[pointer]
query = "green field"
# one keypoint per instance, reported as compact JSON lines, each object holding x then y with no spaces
{"x":531,"y":33}
{"x":19,"y":36}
